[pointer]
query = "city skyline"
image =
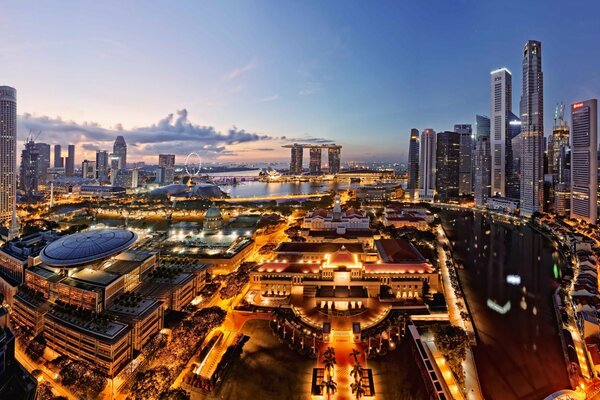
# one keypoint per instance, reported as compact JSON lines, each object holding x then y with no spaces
{"x":245,"y":103}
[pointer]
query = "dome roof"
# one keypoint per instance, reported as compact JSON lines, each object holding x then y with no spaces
{"x":86,"y":247}
{"x":213,"y":212}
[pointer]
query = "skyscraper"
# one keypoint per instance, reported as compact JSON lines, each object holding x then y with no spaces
{"x":482,"y":126}
{"x":102,"y":166}
{"x":28,"y":175}
{"x":166,"y":162}
{"x":483,"y":161}
{"x":501,"y":101}
{"x":447,"y":165}
{"x":120,"y":150}
{"x":413,"y":164}
{"x":532,"y":130}
{"x":514,"y":158}
{"x":58,"y":159}
{"x":466,"y":149}
{"x":88,"y":169}
{"x":427,"y":166}
{"x":43,"y":150}
{"x":70,"y":164}
{"x":8,"y":152}
{"x":584,"y":161}
{"x":558,"y":140}
{"x":296,"y":160}
{"x":314,"y":165}
{"x":333,"y":155}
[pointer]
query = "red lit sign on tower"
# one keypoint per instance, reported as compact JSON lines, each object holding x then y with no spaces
{"x":577,"y":105}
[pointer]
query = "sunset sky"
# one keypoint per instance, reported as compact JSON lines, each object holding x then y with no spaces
{"x":235,"y":81}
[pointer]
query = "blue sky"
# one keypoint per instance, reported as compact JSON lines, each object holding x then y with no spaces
{"x":355,"y":72}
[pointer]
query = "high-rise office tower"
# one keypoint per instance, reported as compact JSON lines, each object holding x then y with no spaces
{"x":296,"y":160}
{"x":447,"y":166}
{"x":88,"y":169}
{"x":115,"y":166}
{"x":501,"y":101}
{"x":584,"y":161}
{"x":513,"y":156}
{"x":333,"y":155}
{"x":166,"y":163}
{"x":43,"y":150}
{"x":483,"y":166}
{"x":8,"y":152}
{"x":30,"y":167}
{"x":120,"y":149}
{"x":70,"y":162}
{"x":482,"y":126}
{"x":58,"y":159}
{"x":558,"y":140}
{"x":427,"y":166}
{"x":466,"y":149}
{"x":102,"y":166}
{"x":314,"y":165}
{"x":532,"y":130}
{"x":413,"y":164}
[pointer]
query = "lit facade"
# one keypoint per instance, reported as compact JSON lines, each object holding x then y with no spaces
{"x":584,"y":161}
{"x":427,"y":166}
{"x":8,"y":151}
{"x":501,"y":105}
{"x":532,"y":130}
{"x":412,"y":185}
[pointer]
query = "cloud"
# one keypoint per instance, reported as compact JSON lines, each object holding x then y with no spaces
{"x":240,"y":70}
{"x":309,"y":88}
{"x":174,"y":133}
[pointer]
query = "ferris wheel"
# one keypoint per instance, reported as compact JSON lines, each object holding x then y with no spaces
{"x":193,"y":164}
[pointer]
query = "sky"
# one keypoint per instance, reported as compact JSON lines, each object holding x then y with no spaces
{"x":236,"y":80}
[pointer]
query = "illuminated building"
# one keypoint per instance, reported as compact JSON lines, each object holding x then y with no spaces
{"x":447,"y":166}
{"x":166,"y":163}
{"x":584,"y":161}
{"x":88,"y":169}
{"x":562,"y":199}
{"x":532,"y":130}
{"x":321,"y":219}
{"x":102,"y":166}
{"x":314,"y":165}
{"x":558,"y":141}
{"x":339,"y":279}
{"x":500,"y":141}
{"x":427,"y":166}
{"x":465,"y":131}
{"x":213,"y":220}
{"x":8,"y":152}
{"x":483,"y":160}
{"x":413,"y":164}
{"x":29,"y":173}
{"x":296,"y":160}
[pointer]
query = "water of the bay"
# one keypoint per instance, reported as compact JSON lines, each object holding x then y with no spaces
{"x":509,"y":275}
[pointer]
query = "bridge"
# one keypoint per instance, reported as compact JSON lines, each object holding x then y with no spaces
{"x":275,"y":197}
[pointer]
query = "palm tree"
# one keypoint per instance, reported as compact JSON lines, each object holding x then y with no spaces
{"x":357,"y":372}
{"x":355,"y":353}
{"x":358,"y":390}
{"x":330,"y":352}
{"x":328,"y":388}
{"x":329,"y":363}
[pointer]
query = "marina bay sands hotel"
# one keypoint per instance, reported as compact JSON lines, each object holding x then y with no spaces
{"x":314,"y":166}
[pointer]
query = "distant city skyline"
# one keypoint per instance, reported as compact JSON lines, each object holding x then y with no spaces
{"x":225,"y":91}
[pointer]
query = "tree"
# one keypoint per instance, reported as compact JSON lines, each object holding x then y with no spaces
{"x":358,"y":390}
{"x":452,"y":341}
{"x":328,"y":387}
{"x":357,"y":372}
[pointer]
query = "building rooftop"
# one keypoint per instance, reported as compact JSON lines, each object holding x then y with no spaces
{"x":398,"y":251}
{"x":292,"y":268}
{"x":303,"y":247}
{"x":94,"y":277}
{"x":87,"y":247}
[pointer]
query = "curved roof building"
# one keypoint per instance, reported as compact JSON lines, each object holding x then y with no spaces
{"x":87,"y":247}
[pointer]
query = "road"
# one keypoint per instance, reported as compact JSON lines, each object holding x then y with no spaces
{"x":46,"y":374}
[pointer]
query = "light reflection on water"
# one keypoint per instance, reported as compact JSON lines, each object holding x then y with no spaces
{"x":518,"y":354}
